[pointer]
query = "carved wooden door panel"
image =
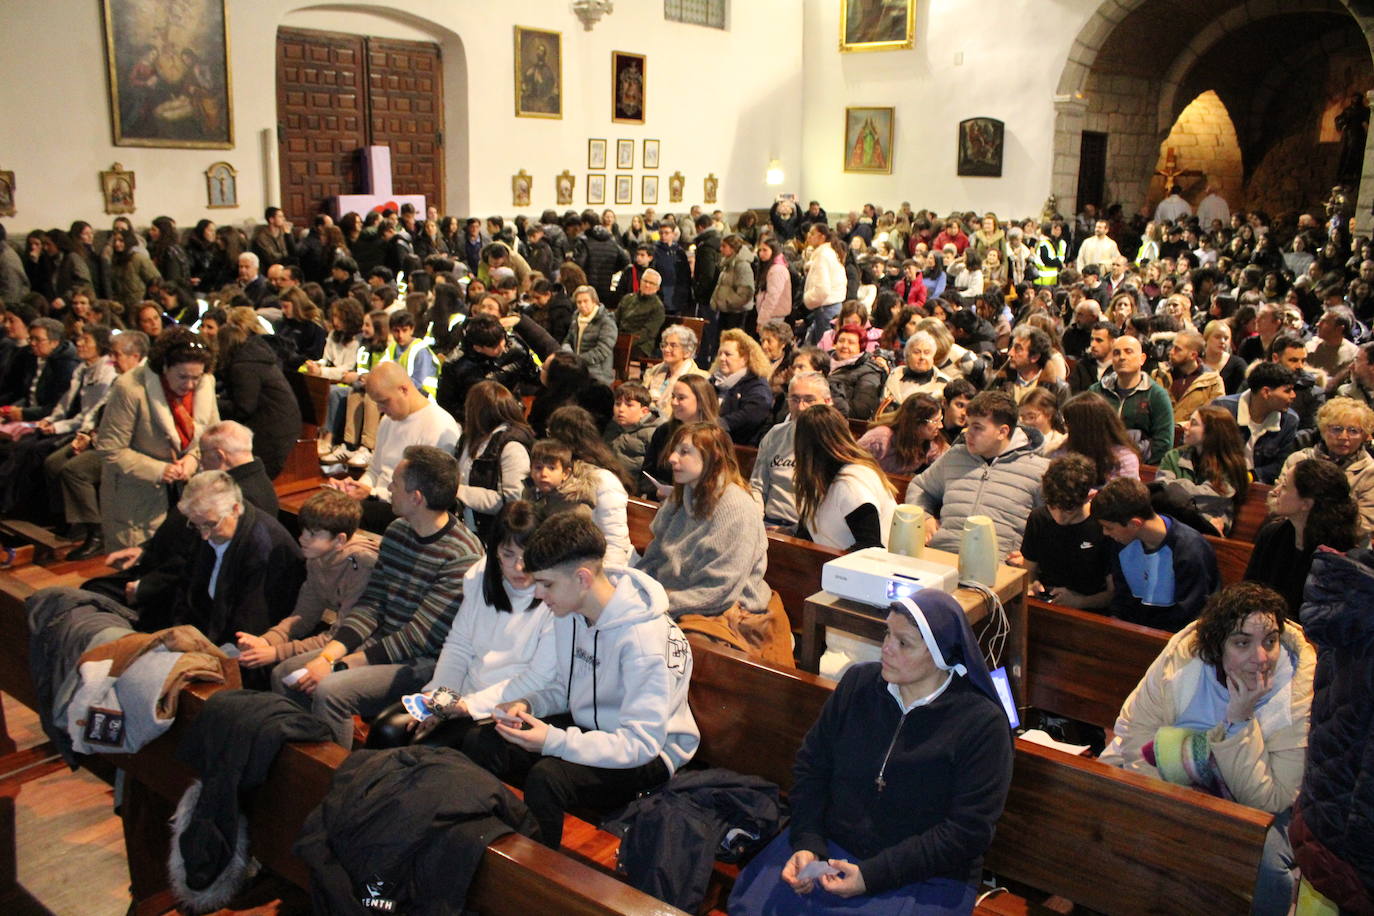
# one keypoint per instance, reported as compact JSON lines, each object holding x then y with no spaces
{"x":406,"y":92}
{"x":321,"y":117}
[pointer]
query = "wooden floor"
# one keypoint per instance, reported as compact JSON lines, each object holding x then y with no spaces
{"x":71,"y":845}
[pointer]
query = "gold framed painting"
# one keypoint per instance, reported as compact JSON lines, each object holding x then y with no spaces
{"x":7,"y":207}
{"x":624,"y":189}
{"x":877,"y":25}
{"x":170,"y":83}
{"x":520,"y":185}
{"x":675,"y":183}
{"x":538,"y":73}
{"x":868,"y":140}
{"x":710,"y":185}
{"x":564,"y":184}
{"x":596,"y":154}
{"x":627,"y":87}
{"x":117,"y":186}
{"x":624,"y":154}
{"x":649,"y":190}
{"x":596,"y":189}
{"x":651,"y":154}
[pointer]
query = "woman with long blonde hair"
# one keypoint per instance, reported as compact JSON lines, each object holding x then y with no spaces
{"x":740,"y":376}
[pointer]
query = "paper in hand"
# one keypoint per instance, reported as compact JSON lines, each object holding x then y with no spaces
{"x":817,"y":869}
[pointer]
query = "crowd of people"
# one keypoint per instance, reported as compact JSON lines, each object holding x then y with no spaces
{"x":483,"y":443}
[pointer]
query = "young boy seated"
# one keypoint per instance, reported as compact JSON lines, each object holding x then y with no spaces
{"x":1063,"y":548}
{"x":632,"y":425}
{"x":1164,"y":571}
{"x":613,"y":720}
{"x":552,"y":486}
{"x":338,"y":560}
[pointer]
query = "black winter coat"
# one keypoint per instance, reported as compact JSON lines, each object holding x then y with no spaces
{"x":707,"y":269}
{"x":513,"y":368}
{"x":257,"y":395}
{"x":858,"y":386}
{"x":53,"y":381}
{"x":408,"y":825}
{"x":745,"y":409}
{"x":600,"y":257}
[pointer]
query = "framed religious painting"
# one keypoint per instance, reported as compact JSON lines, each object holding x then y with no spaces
{"x":596,"y":154}
{"x":649,"y":191}
{"x":564,"y":184}
{"x":520,"y":185}
{"x":710,"y":187}
{"x":221,"y":186}
{"x":868,"y":140}
{"x":169,"y":73}
{"x":117,"y":187}
{"x":538,"y":73}
{"x":627,"y":87}
{"x":980,"y":147}
{"x":596,"y":189}
{"x":624,"y":154}
{"x":651,"y":154}
{"x":675,"y":183}
{"x":7,"y":207}
{"x":877,"y":25}
{"x":624,"y":189}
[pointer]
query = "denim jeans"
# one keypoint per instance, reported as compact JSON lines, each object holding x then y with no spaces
{"x":819,"y":322}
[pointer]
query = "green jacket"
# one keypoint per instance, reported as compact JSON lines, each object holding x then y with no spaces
{"x":1145,"y":409}
{"x":641,"y":316}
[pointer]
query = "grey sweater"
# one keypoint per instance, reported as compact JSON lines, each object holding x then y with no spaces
{"x":773,"y":479}
{"x":708,"y":564}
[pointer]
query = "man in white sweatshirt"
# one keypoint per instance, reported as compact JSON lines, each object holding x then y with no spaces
{"x":612,"y":721}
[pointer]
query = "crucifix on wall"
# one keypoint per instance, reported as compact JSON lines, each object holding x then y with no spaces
{"x":1171,"y":173}
{"x":375,"y":178}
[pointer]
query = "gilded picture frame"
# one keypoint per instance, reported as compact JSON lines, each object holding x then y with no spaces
{"x":627,"y":87}
{"x":711,"y":185}
{"x":596,"y":154}
{"x":169,"y":78}
{"x":624,"y":189}
{"x":520,"y":186}
{"x":648,"y":192}
{"x":624,"y":154}
{"x":877,"y":25}
{"x":675,"y":185}
{"x":868,"y":140}
{"x":564,"y":184}
{"x":650,"y":160}
{"x":7,"y":204}
{"x":596,"y":189}
{"x":117,"y":186}
{"x":538,"y":73}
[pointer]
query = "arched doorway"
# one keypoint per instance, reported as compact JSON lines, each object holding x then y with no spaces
{"x":1113,"y":83}
{"x":1202,"y":147}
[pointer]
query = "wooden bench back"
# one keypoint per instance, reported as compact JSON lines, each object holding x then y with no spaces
{"x":1083,"y":665}
{"x":620,"y":358}
{"x":1233,"y":557}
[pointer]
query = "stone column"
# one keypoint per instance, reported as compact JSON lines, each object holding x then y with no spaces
{"x":1070,"y":112}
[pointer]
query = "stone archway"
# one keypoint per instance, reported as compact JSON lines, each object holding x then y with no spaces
{"x":1083,"y":101}
{"x":1206,"y":136}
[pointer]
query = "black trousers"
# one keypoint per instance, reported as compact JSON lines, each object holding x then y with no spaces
{"x":553,"y":785}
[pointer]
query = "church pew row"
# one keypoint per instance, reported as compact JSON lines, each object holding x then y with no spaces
{"x":517,"y":876}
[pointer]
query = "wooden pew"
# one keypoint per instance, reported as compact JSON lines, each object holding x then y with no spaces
{"x":1232,"y":557}
{"x":1253,"y":513}
{"x":1113,"y":841}
{"x":517,"y":876}
{"x":620,"y":357}
{"x":1082,"y":664}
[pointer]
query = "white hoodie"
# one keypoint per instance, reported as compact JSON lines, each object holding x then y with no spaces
{"x":624,"y":680}
{"x":491,"y":656}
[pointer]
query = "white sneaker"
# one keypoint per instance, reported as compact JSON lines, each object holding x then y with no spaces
{"x":361,"y":458}
{"x":337,"y":454}
{"x":324,"y":446}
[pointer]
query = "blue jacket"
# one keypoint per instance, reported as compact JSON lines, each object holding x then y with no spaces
{"x":1195,"y":578}
{"x":1333,"y":830}
{"x":1273,"y":447}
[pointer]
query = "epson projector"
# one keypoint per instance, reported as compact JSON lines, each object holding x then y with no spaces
{"x":874,"y":576}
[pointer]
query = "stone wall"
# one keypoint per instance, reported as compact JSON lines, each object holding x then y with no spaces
{"x":1124,"y":108}
{"x":1203,"y":139}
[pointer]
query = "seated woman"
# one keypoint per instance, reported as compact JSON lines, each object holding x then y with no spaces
{"x":255,"y":393}
{"x":499,"y":648}
{"x":1208,"y":474}
{"x":856,"y":378}
{"x":910,"y":438}
{"x":1312,"y":508}
{"x":1097,"y":433}
{"x":493,"y":454}
{"x":354,"y":416}
{"x":566,"y":381}
{"x":149,"y":435}
{"x":740,"y":377}
{"x":678,"y":346}
{"x":918,"y":374}
{"x":301,"y":324}
{"x":852,"y":312}
{"x":340,"y":356}
{"x":844,"y":499}
{"x":899,"y":784}
{"x":245,"y":575}
{"x":1345,"y":425}
{"x":592,"y":335}
{"x":693,"y":401}
{"x":1039,"y":410}
{"x":1224,"y":709}
{"x":710,"y":549}
{"x":576,"y":429}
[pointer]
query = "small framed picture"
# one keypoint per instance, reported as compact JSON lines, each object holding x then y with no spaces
{"x":7,"y":194}
{"x":649,"y":191}
{"x":117,"y":185}
{"x":564,"y":183}
{"x":651,"y":154}
{"x":627,"y":87}
{"x":710,"y":186}
{"x":222,"y":186}
{"x":624,"y":189}
{"x":624,"y":154}
{"x":520,"y":184}
{"x":596,"y":189}
{"x":675,"y":183}
{"x":596,"y":154}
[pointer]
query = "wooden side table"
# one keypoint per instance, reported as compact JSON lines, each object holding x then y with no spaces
{"x":823,"y":610}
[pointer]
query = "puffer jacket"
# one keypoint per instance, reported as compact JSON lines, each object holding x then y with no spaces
{"x":1005,"y":489}
{"x":599,"y":255}
{"x":734,"y":290}
{"x":858,"y":387}
{"x":1262,"y":763}
{"x":1333,"y":823}
{"x":595,"y":344}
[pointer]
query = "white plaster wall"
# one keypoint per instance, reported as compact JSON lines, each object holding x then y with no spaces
{"x":1013,"y":52}
{"x":722,"y":102}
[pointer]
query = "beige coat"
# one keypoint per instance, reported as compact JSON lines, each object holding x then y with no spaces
{"x":1204,"y":389}
{"x":136,"y":441}
{"x":1262,"y":764}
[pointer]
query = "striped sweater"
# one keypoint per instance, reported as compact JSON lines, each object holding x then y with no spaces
{"x":412,"y":595}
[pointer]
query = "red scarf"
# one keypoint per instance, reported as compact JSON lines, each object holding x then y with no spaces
{"x":182,"y":415}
